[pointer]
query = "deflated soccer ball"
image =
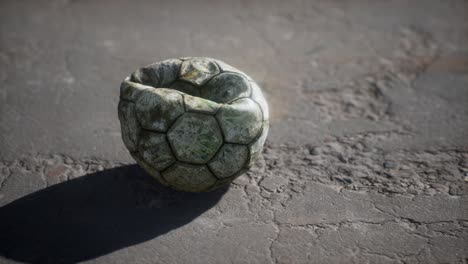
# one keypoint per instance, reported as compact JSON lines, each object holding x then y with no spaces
{"x":194,"y":124}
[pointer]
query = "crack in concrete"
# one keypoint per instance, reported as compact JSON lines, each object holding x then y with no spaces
{"x":54,"y":166}
{"x":367,"y":251}
{"x":353,"y":163}
{"x":275,"y":238}
{"x":366,"y":96}
{"x":5,"y":178}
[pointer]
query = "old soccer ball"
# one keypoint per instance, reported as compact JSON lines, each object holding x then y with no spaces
{"x":194,"y":124}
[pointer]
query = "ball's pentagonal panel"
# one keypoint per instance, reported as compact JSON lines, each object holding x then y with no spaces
{"x":258,"y":97}
{"x":157,"y":109}
{"x":198,"y":70}
{"x":160,"y":74}
{"x":226,"y":87}
{"x":200,"y":105}
{"x":195,"y":138}
{"x":256,"y":147}
{"x":186,"y":87}
{"x":155,"y":150}
{"x":189,"y":177}
{"x":229,"y":160}
{"x":129,"y":125}
{"x":240,"y":121}
{"x":148,"y":168}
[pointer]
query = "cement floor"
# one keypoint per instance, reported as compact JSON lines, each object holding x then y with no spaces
{"x":366,"y":161}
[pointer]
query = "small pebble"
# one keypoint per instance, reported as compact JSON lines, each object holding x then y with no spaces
{"x":68,"y":160}
{"x":347,"y":180}
{"x":430,"y":192}
{"x":314,"y":151}
{"x":440,"y":187}
{"x":344,"y":180}
{"x":342,"y":158}
{"x":388,"y":164}
{"x":454,"y":190}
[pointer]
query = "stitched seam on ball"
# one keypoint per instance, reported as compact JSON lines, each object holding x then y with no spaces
{"x":238,"y":73}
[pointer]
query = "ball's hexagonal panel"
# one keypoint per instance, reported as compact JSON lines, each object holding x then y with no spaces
{"x":224,"y":67}
{"x":186,"y":88}
{"x":195,"y":138}
{"x":189,"y":177}
{"x":256,"y":147}
{"x":148,"y":168}
{"x":198,"y":70}
{"x":229,"y":160}
{"x":157,"y":109}
{"x":128,"y":125}
{"x":258,"y":97}
{"x":160,"y":74}
{"x":200,"y":105}
{"x":226,"y":87}
{"x":240,"y":121}
{"x":155,"y":150}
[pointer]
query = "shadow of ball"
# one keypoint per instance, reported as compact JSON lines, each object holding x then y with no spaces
{"x":94,"y":215}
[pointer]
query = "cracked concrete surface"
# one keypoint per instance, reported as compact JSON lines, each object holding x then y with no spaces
{"x":366,"y":161}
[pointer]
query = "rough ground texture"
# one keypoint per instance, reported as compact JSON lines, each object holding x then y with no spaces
{"x":366,"y":160}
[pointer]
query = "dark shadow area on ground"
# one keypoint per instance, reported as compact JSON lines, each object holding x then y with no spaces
{"x":94,"y":215}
